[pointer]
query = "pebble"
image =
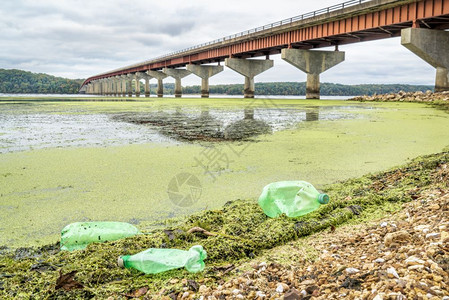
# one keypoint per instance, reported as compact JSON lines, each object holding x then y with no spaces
{"x":432,"y":235}
{"x":392,"y":272}
{"x":379,"y":260}
{"x":396,"y":237}
{"x":434,"y":207}
{"x":413,"y":260}
{"x":203,"y":289}
{"x":416,"y":267}
{"x":352,"y":270}
{"x":444,"y":236}
{"x":292,"y":294}
{"x":378,"y":297}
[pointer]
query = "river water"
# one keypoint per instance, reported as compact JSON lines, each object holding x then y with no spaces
{"x":145,"y":161}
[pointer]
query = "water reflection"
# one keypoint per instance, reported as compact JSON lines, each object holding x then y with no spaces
{"x":313,"y":114}
{"x":187,"y":126}
{"x":37,"y":126}
{"x":226,"y":124}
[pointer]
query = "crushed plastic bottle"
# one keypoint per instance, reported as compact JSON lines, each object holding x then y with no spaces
{"x":77,"y":236}
{"x":155,"y":260}
{"x":293,"y":198}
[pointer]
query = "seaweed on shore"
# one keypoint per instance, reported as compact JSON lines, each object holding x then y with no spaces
{"x":240,"y":232}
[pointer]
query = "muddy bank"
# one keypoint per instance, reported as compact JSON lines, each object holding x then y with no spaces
{"x":242,"y":233}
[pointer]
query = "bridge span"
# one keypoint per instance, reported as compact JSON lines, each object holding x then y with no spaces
{"x":420,"y":23}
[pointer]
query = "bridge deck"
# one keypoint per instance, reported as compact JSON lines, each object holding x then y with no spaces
{"x":337,"y":25}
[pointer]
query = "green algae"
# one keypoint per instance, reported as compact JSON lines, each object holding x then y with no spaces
{"x":241,"y":230}
{"x":70,"y":183}
{"x":44,"y":190}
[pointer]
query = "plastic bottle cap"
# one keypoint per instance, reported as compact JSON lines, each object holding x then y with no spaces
{"x":120,"y":262}
{"x":323,"y":198}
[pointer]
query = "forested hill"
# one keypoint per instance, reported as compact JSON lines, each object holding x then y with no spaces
{"x":22,"y":82}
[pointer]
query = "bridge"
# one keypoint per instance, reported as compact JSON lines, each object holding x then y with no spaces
{"x":420,"y":23}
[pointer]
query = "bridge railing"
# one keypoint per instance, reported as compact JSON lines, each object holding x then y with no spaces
{"x":271,"y":25}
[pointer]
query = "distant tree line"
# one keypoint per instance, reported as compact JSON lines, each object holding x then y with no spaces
{"x":299,"y":88}
{"x":17,"y":81}
{"x":22,"y":82}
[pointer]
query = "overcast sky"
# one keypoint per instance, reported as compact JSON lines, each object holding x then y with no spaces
{"x":81,"y":38}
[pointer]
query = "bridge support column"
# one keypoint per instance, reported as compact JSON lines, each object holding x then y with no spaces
{"x":142,"y":75}
{"x":101,"y":90}
{"x":433,"y":47}
{"x":160,"y":84}
{"x":204,"y":72}
{"x":313,"y":63}
{"x":129,"y":85}
{"x":177,"y":74}
{"x":147,"y":86}
{"x":115,"y":86}
{"x":137,"y":86}
{"x":105,"y":87}
{"x":110,"y":88}
{"x":249,"y":68}
{"x":123,"y":83}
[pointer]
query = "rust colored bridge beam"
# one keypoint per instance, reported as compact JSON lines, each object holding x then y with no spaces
{"x":377,"y":19}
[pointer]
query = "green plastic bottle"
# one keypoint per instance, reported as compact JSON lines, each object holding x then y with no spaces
{"x":155,"y":260}
{"x":77,"y":236}
{"x":293,"y":198}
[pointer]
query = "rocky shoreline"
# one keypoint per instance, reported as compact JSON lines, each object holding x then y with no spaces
{"x":383,"y":236}
{"x":402,"y":96}
{"x":405,"y":256}
{"x":356,"y":249}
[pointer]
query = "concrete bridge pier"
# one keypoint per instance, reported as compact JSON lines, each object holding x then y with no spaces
{"x":97,"y":87}
{"x":433,"y":47}
{"x":101,"y":90}
{"x":137,"y":85}
{"x":146,"y":77}
{"x":110,"y":87}
{"x":177,"y":74}
{"x":204,"y":72}
{"x":129,"y":85}
{"x":117,"y":85}
{"x":160,"y":84}
{"x":105,"y":87}
{"x":249,"y":68}
{"x":147,"y":85}
{"x":124,"y":85}
{"x":313,"y":63}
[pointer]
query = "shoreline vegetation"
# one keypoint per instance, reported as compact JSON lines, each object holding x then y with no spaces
{"x":255,"y":257}
{"x":23,"y":82}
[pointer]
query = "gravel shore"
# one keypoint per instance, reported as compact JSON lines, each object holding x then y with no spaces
{"x":405,"y":256}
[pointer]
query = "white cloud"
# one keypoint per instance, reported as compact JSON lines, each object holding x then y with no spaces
{"x":81,"y":38}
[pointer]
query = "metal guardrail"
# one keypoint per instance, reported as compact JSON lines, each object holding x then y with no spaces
{"x":250,"y":31}
{"x":269,"y":26}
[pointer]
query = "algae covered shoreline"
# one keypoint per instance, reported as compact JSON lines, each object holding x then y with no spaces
{"x":43,"y":190}
{"x":243,"y":232}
